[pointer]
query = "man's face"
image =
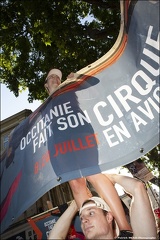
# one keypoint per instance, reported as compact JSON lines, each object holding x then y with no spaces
{"x":52,"y":82}
{"x":94,"y":223}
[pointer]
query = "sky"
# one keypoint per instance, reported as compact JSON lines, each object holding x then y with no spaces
{"x":11,"y":105}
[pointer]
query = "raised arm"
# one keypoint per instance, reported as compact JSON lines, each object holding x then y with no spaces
{"x":61,"y":228}
{"x":141,"y":214}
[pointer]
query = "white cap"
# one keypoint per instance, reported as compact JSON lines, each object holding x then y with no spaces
{"x":56,"y":72}
{"x":99,"y":203}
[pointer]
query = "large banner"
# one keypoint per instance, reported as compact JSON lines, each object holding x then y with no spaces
{"x":101,"y":121}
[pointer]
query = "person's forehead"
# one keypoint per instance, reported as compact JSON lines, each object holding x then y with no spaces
{"x":51,"y":72}
{"x":49,"y":76}
{"x":89,"y":208}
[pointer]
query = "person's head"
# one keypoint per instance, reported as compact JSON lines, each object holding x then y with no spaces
{"x":97,"y":221}
{"x":53,"y":80}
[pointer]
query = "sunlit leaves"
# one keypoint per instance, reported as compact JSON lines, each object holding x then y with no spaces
{"x":38,"y":35}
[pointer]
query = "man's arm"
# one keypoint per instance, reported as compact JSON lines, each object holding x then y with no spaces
{"x":62,"y":226}
{"x":141,"y":213}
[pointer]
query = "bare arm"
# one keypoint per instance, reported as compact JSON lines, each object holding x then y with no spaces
{"x":141,"y":214}
{"x":62,"y":226}
{"x":107,"y":191}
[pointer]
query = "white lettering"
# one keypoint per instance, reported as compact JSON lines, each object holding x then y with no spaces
{"x":54,"y":112}
{"x":127,"y":96}
{"x":46,"y":120}
{"x":66,"y":108}
{"x":154,"y":57}
{"x":153,"y":104}
{"x":152,"y":42}
{"x":82,"y":117}
{"x":61,"y":121}
{"x":32,"y":131}
{"x":115,"y":106}
{"x":137,"y":121}
{"x":42,"y":139}
{"x":35,"y":143}
{"x":123,"y":130}
{"x":148,"y":80}
{"x":23,"y":143}
{"x":148,"y":111}
{"x":109,"y":137}
{"x":155,"y":94}
{"x":28,"y":138}
{"x":49,"y":130}
{"x":73,"y":121}
{"x":99,"y":116}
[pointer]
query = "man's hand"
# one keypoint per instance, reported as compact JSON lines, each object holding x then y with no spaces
{"x":71,"y":75}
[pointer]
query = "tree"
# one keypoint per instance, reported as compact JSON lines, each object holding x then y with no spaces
{"x":39,"y":35}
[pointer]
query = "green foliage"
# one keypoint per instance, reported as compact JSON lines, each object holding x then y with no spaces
{"x":39,"y":35}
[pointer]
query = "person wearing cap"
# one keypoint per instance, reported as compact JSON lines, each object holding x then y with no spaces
{"x":97,"y":221}
{"x":53,"y":80}
{"x":99,"y":181}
